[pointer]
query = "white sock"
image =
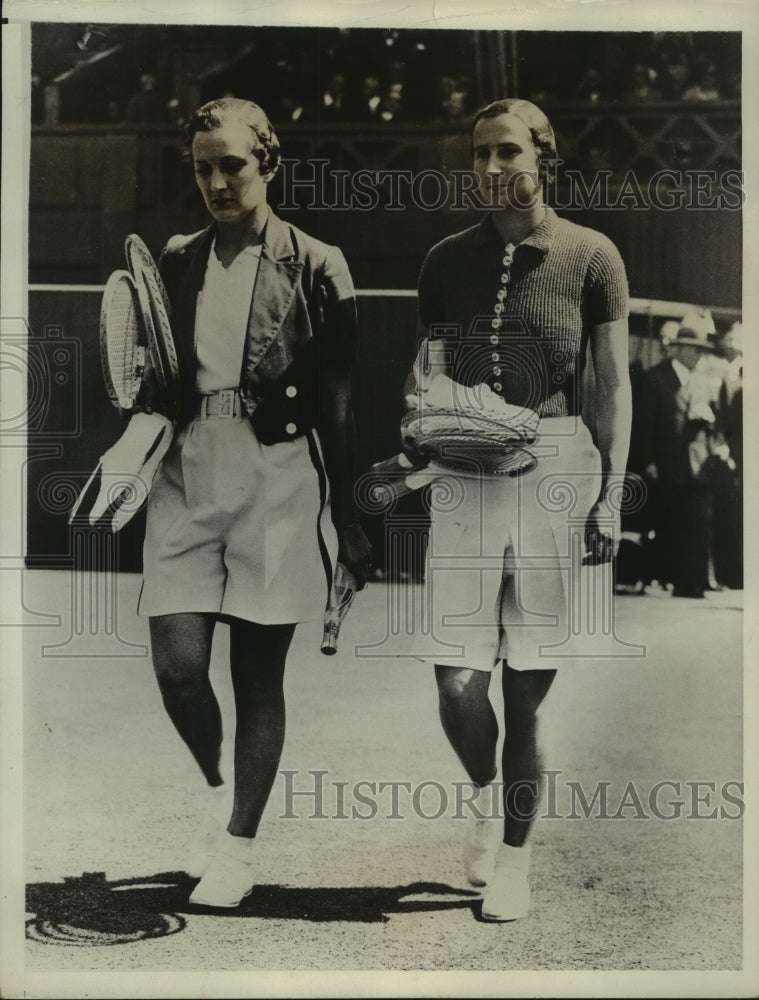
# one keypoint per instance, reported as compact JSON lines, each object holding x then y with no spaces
{"x":238,"y":847}
{"x":514,"y":857}
{"x":219,"y":803}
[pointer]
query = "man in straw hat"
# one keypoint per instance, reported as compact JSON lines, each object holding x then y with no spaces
{"x":670,"y":402}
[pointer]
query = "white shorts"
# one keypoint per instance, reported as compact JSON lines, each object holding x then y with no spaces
{"x":503,"y":566}
{"x":238,"y":528}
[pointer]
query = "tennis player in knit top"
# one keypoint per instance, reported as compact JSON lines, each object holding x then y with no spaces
{"x":514,"y":303}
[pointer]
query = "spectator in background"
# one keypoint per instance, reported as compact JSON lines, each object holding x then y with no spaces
{"x":662,"y":437}
{"x":291,"y":109}
{"x":333,"y":99}
{"x":674,"y":76}
{"x":641,"y":89}
{"x":455,"y":104}
{"x":368,"y":107}
{"x":704,"y":88}
{"x":591,"y":89}
{"x":391,"y":108}
{"x":146,"y":105}
{"x":728,"y":499}
{"x":446,"y":87}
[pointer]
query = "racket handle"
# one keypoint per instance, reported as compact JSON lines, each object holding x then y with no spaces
{"x":340,"y":600}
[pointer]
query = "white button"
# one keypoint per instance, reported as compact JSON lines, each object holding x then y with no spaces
{"x":291,"y":391}
{"x":493,"y":338}
{"x":497,"y":386}
{"x":496,"y":324}
{"x":495,"y":357}
{"x":291,"y":428}
{"x":496,"y":370}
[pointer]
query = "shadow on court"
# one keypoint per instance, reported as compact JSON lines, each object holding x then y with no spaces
{"x":87,"y":910}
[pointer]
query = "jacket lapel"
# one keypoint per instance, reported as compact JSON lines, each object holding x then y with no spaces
{"x":277,"y":281}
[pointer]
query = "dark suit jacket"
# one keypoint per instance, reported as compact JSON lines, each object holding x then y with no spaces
{"x":659,"y":425}
{"x":730,"y":422}
{"x":302,"y":316}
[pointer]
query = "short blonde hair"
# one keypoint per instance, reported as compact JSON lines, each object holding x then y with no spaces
{"x":212,"y":115}
{"x":536,"y":121}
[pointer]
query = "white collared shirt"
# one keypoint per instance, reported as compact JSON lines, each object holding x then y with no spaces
{"x":221,"y":319}
{"x":733,"y":377}
{"x":681,"y":371}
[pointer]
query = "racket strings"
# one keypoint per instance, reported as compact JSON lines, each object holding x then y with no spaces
{"x":122,"y":341}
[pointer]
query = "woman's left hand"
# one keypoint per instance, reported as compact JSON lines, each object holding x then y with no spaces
{"x":355,"y":552}
{"x":602,"y":534}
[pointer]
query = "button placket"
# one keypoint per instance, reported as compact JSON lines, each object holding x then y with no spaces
{"x":497,"y":322}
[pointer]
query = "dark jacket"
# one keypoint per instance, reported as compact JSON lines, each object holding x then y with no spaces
{"x":303,"y":315}
{"x":660,"y":424}
{"x":730,"y":422}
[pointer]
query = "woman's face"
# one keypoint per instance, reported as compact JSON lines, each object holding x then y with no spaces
{"x":506,"y":161}
{"x":227,"y":173}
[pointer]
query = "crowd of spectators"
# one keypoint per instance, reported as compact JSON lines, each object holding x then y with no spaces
{"x":687,"y":451}
{"x":376,"y":76}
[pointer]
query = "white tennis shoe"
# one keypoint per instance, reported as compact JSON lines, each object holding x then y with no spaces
{"x":230,"y":876}
{"x":508,"y":893}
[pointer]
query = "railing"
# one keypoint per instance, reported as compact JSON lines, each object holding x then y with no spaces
{"x":644,"y":138}
{"x":90,"y":185}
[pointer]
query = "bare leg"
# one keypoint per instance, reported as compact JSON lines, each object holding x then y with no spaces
{"x":257,"y":654}
{"x":468,"y":719}
{"x":523,"y":691}
{"x":181,"y":647}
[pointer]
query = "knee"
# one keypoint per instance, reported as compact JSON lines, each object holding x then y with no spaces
{"x":523,"y":693}
{"x":456,"y":684}
{"x":178,"y":675}
{"x":260,"y":688}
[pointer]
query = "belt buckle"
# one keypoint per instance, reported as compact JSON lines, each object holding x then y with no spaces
{"x":227,"y":402}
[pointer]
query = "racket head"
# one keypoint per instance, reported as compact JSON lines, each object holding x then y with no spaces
{"x":155,"y":307}
{"x":138,"y":256}
{"x":122,"y":340}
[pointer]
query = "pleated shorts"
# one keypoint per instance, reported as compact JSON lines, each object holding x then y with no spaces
{"x":504,"y":564}
{"x":237,"y":528}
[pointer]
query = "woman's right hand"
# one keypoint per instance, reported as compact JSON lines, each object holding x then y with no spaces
{"x":355,"y":552}
{"x":418,"y":455}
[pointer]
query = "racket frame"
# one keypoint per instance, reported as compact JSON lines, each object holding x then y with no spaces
{"x":156,"y":310}
{"x":119,"y":396}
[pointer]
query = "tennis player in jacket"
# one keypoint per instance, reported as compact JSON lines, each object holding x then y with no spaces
{"x":253,"y":503}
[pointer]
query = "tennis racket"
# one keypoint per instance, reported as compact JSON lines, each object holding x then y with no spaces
{"x":468,"y":441}
{"x":122,"y":340}
{"x":339,"y":604}
{"x":156,"y":310}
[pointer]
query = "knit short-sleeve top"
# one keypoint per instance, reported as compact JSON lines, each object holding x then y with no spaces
{"x":518,"y":318}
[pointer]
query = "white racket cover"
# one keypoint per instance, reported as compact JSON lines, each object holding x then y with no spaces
{"x":122,"y":340}
{"x":126,"y":471}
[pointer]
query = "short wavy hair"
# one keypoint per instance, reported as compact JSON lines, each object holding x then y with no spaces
{"x":214,"y":114}
{"x":536,"y":121}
